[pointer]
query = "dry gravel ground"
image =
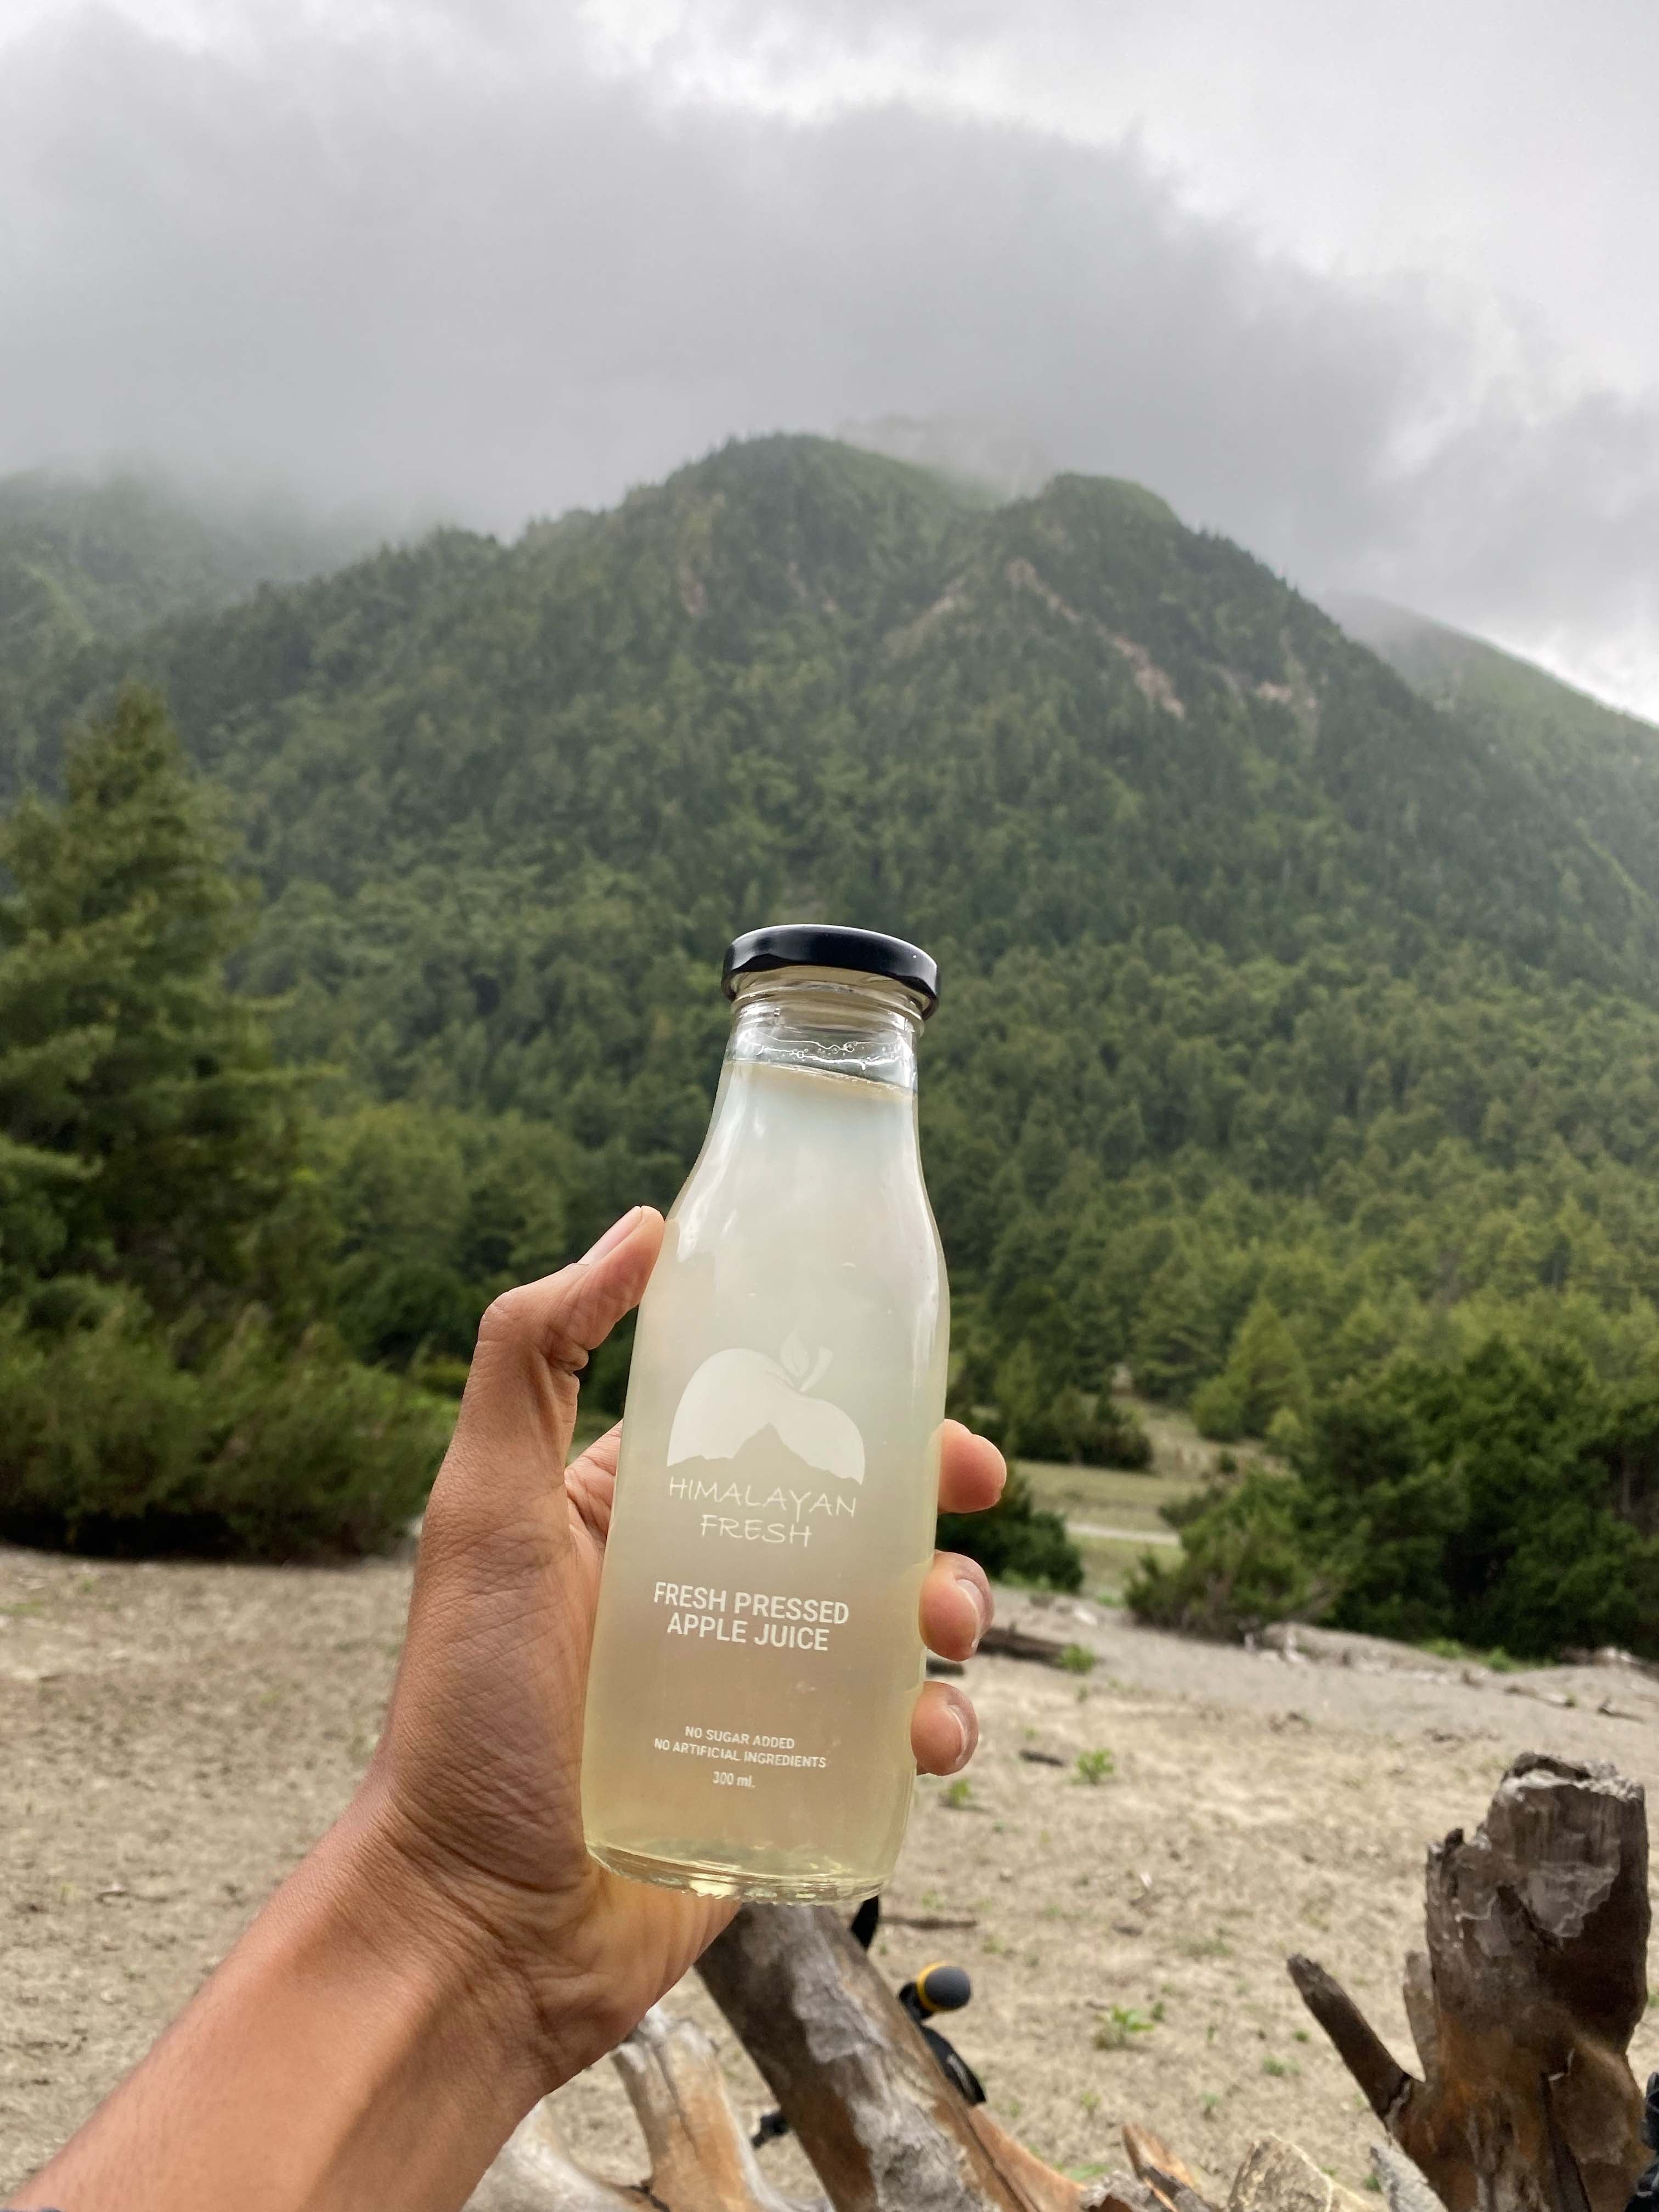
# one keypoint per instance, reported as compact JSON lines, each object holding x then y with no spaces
{"x":173,"y":1738}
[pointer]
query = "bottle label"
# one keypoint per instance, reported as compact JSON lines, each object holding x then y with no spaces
{"x":735,"y":1396}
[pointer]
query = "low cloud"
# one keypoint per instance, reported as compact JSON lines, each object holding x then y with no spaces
{"x":481,"y":272}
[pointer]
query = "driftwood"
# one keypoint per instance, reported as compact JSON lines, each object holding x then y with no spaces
{"x":1172,"y":2180}
{"x":1521,"y":2008}
{"x":1002,"y":1642}
{"x":1402,"y":2187}
{"x":885,"y":2131}
{"x":1276,"y":2177}
{"x":700,"y":2160}
{"x":1523,"y":2004}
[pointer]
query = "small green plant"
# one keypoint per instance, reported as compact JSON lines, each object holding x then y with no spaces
{"x":1211,"y":2104}
{"x":1499,"y":1660}
{"x":1090,"y":2101}
{"x":1300,"y":2035}
{"x":1078,"y":1659}
{"x":1121,"y":2025}
{"x":959,"y":1794}
{"x":1280,"y":2069}
{"x":1095,"y":1767}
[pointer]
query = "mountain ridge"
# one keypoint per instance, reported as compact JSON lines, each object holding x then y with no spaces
{"x":1264,"y":977}
{"x":877,"y":574}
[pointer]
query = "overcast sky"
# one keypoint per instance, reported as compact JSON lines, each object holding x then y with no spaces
{"x":1372,"y":289}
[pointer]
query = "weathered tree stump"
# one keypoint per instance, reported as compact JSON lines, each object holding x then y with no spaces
{"x":1524,"y":2003}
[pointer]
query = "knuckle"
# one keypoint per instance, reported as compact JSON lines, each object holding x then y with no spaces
{"x":508,"y":1315}
{"x":537,"y":1317}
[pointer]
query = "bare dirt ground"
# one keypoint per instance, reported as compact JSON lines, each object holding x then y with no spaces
{"x":173,"y":1738}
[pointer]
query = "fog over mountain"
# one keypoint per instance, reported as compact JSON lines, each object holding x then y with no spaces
{"x":492,"y":260}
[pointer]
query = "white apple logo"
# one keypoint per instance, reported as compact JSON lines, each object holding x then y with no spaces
{"x":734,"y":1396}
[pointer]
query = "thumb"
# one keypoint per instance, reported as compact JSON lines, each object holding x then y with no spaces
{"x":520,"y":1406}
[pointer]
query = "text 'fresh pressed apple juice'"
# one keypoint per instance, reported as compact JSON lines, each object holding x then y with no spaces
{"x":757,"y":1651}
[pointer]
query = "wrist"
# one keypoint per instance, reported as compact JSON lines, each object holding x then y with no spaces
{"x":366,"y":2042}
{"x":452,"y":1959}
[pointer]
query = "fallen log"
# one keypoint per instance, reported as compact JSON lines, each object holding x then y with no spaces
{"x":1524,"y":2002}
{"x":1002,"y":1642}
{"x":883,"y":2128}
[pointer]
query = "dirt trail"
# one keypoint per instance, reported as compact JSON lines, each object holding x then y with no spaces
{"x":173,"y":1738}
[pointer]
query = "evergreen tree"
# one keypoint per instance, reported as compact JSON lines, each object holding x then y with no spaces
{"x":1266,"y":1377}
{"x":147,"y":1137}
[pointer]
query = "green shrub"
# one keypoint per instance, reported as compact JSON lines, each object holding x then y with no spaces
{"x":1016,"y":1541}
{"x":1219,"y":1410}
{"x":1112,"y":1437}
{"x":1504,"y":1499}
{"x":1246,"y":1558}
{"x":1065,"y":1426}
{"x":108,"y":1445}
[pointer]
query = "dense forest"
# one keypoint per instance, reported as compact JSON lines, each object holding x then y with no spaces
{"x":1300,"y":1028}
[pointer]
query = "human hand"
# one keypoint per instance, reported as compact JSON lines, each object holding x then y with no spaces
{"x":475,"y":1782}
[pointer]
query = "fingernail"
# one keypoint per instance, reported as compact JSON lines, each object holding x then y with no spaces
{"x":616,"y":1234}
{"x":982,"y":1604}
{"x":965,"y":1730}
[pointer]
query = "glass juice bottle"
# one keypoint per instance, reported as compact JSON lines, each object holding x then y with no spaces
{"x":757,"y":1651}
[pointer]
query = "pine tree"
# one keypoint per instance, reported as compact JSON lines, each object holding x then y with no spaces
{"x":145,"y":1137}
{"x":1266,"y":1374}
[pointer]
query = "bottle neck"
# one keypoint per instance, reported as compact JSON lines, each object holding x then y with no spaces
{"x":827,"y":1021}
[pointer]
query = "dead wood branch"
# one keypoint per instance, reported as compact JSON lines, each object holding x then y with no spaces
{"x":534,"y":2173}
{"x":1005,"y":1643}
{"x":1170,"y":2177}
{"x":1403,"y":2187}
{"x":1276,"y":2177}
{"x":1523,"y":2007}
{"x":700,"y":2160}
{"x":1123,"y":2192}
{"x":885,"y":2131}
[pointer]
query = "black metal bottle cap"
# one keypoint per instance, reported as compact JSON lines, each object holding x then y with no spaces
{"x":818,"y":945}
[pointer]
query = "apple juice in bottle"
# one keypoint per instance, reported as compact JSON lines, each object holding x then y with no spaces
{"x":757,"y":1651}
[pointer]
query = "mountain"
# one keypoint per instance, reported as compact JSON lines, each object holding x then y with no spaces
{"x":85,"y":558}
{"x":1599,"y":765}
{"x":1266,"y":979}
{"x":798,"y":673}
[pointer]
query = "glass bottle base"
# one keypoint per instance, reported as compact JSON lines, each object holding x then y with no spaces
{"x":759,"y":1884}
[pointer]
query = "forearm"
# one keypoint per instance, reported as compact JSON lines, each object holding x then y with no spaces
{"x":361,"y":2045}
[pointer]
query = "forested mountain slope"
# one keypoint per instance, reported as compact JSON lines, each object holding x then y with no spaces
{"x":1599,"y":765}
{"x":1269,"y":985}
{"x":86,"y":558}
